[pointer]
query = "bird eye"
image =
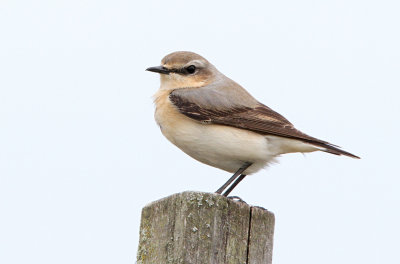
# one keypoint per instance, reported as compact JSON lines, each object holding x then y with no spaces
{"x":191,"y":69}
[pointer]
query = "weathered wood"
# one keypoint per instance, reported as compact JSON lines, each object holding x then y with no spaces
{"x":261,"y":236}
{"x":200,"y":228}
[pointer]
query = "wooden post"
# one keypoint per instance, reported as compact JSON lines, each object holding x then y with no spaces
{"x":204,"y":228}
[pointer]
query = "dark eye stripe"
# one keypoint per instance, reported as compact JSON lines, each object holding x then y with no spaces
{"x":185,"y":71}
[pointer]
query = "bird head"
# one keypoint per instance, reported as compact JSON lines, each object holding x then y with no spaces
{"x":184,"y":69}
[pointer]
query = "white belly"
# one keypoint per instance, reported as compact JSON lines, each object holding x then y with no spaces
{"x":220,"y":146}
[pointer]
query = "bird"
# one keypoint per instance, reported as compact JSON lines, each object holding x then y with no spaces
{"x":216,"y":121}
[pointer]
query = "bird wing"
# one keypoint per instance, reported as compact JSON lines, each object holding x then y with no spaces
{"x":253,"y":116}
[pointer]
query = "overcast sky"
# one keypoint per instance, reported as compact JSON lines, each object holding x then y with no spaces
{"x":80,"y":153}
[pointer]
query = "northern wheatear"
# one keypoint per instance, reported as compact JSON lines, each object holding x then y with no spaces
{"x":216,"y":121}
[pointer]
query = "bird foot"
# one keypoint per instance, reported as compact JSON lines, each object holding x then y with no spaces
{"x":236,"y":199}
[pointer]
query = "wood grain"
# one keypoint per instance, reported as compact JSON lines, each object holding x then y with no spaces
{"x":198,"y":228}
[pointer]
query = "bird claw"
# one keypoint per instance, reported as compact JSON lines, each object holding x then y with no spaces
{"x":236,"y":199}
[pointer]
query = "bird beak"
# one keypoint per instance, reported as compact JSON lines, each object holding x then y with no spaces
{"x":159,"y":69}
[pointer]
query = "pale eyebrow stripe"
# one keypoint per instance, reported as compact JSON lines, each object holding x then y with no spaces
{"x":196,"y":62}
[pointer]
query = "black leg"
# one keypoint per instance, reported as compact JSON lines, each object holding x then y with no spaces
{"x":227,"y":192}
{"x":234,"y":176}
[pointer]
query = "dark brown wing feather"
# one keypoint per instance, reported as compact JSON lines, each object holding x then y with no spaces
{"x":260,"y":119}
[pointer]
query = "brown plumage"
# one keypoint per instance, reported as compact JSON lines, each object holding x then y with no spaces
{"x":260,"y":119}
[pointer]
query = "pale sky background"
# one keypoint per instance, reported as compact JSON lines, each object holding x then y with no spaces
{"x":80,"y":153}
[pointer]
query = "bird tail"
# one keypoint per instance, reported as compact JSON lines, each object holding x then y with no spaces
{"x":329,"y":148}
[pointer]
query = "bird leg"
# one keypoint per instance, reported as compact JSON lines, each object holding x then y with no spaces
{"x":234,"y":176}
{"x":241,"y":177}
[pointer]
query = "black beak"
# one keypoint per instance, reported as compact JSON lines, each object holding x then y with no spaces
{"x":159,"y":69}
